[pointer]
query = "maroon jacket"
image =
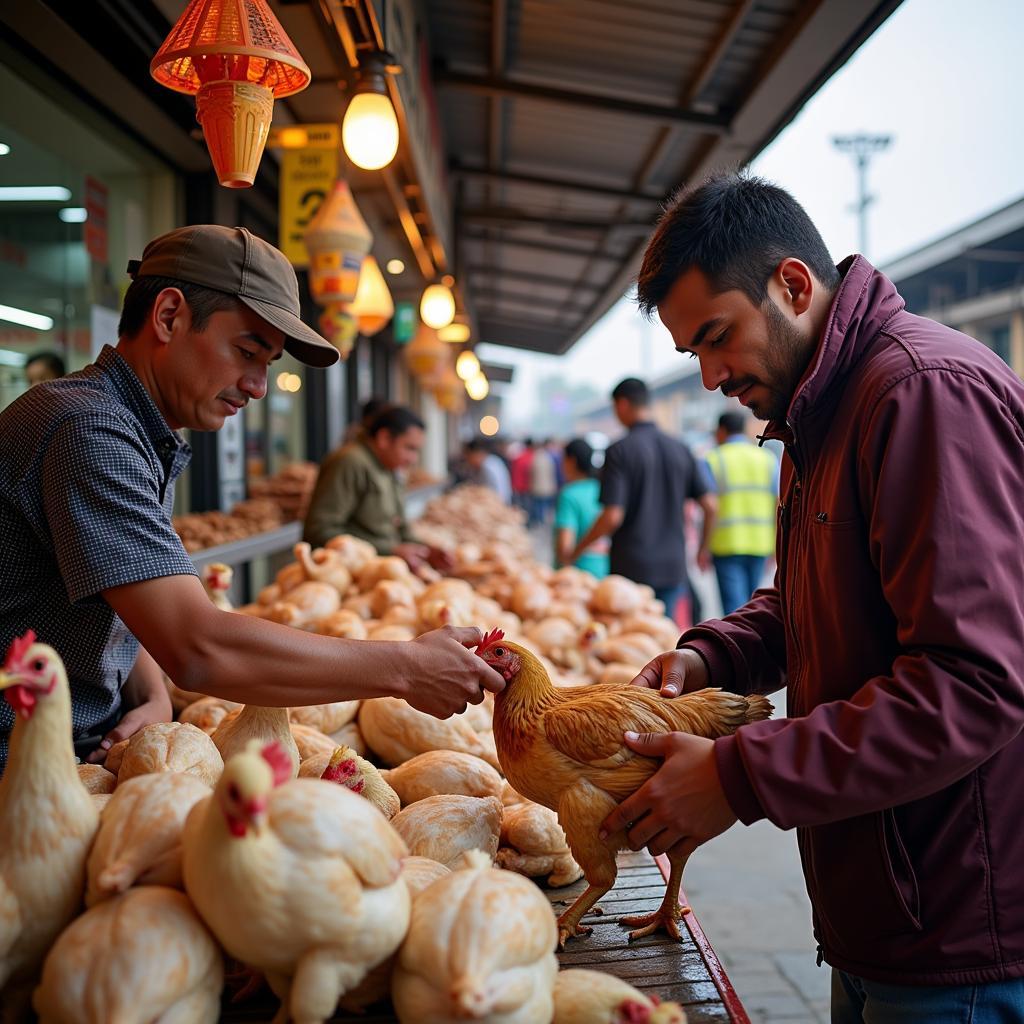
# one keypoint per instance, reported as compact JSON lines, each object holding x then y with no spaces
{"x":897,"y":624}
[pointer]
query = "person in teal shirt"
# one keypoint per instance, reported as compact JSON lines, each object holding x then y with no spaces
{"x":577,"y":508}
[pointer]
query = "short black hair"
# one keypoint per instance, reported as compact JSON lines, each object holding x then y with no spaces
{"x":50,"y":360}
{"x":735,"y":229}
{"x":634,"y":391}
{"x":732,"y":422}
{"x":582,"y":454}
{"x":202,"y":302}
{"x":477,"y":444}
{"x":373,"y":405}
{"x":395,"y":419}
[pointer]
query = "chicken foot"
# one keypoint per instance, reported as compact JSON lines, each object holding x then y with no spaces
{"x":569,"y":922}
{"x":669,"y":914}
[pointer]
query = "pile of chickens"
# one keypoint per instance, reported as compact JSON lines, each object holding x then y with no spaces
{"x":344,"y":853}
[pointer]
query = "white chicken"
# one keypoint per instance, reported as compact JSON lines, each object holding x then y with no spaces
{"x":480,"y":947}
{"x":47,"y":819}
{"x":141,"y":958}
{"x":593,"y":997}
{"x":301,"y":881}
{"x":253,"y":722}
{"x":139,"y":838}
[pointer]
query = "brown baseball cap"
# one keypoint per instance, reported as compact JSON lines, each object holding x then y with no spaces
{"x":235,"y":261}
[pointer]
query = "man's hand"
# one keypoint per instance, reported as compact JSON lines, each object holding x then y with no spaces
{"x":414,"y":555}
{"x":440,"y":559}
{"x":704,"y":560}
{"x":673,"y":673}
{"x":156,"y":709}
{"x":681,"y":805}
{"x":442,"y":676}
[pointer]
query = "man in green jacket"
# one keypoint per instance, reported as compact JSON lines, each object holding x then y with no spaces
{"x":358,"y":492}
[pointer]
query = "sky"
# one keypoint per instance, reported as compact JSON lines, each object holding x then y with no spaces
{"x":942,"y":78}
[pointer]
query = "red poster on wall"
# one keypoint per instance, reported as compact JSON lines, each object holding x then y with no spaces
{"x":96,"y":219}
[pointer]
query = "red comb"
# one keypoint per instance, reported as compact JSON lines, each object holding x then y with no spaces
{"x":19,"y":646}
{"x":280,"y":763}
{"x":490,"y":638}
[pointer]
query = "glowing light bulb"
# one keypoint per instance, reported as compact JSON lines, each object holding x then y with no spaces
{"x":477,"y":387}
{"x":369,"y":131}
{"x":455,"y":333}
{"x":437,"y":307}
{"x":467,"y":366}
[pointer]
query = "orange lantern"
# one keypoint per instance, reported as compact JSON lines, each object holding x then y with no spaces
{"x":339,"y":327}
{"x":449,"y":392}
{"x":337,"y":240}
{"x":425,"y":355}
{"x":235,"y":57}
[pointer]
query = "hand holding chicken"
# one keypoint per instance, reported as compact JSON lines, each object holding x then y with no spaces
{"x":564,"y":748}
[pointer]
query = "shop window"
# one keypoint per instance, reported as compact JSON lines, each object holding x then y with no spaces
{"x":998,"y":339}
{"x":77,"y":200}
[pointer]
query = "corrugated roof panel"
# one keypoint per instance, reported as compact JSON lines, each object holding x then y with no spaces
{"x":460,"y":31}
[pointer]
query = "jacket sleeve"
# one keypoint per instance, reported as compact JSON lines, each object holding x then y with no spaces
{"x":746,"y":651}
{"x":336,"y":497}
{"x":950,"y":568}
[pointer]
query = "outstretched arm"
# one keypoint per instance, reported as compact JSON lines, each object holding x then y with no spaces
{"x":250,"y":660}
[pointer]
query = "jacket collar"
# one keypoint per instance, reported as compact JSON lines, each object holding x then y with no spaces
{"x":864,"y":302}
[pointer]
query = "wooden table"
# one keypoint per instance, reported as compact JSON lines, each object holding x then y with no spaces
{"x":688,"y":972}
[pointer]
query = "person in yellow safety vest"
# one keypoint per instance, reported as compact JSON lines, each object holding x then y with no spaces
{"x":746,"y":478}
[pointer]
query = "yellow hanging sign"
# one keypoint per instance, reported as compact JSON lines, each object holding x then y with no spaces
{"x":307,"y":176}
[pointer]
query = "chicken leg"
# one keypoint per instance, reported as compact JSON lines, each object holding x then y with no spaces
{"x":580,"y":812}
{"x":670,"y":913}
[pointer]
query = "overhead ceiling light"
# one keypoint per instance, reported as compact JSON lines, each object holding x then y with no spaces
{"x":34,"y":194}
{"x":467,"y":366}
{"x":369,"y":130}
{"x":455,"y":333}
{"x":395,"y":266}
{"x":72,"y":214}
{"x":9,"y":358}
{"x":477,"y":387}
{"x":437,"y":307}
{"x":22,"y":316}
{"x":4,"y":149}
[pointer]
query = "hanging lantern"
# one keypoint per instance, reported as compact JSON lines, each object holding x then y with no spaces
{"x":337,"y":239}
{"x":425,"y":355}
{"x":235,"y":58}
{"x":372,"y":306}
{"x":437,"y":306}
{"x":339,"y":327}
{"x":449,"y":393}
{"x":467,"y":365}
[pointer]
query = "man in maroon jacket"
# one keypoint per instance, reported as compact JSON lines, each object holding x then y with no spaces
{"x":896,"y":622}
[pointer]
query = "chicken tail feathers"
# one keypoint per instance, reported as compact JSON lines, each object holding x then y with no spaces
{"x":758,"y":708}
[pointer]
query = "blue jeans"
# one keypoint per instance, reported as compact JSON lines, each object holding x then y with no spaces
{"x":738,"y":577}
{"x":670,"y":596}
{"x":857,"y":1001}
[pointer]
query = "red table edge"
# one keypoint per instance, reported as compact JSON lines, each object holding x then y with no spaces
{"x":730,"y":999}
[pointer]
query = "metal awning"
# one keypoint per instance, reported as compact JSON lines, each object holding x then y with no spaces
{"x":539,"y":137}
{"x":565,"y":124}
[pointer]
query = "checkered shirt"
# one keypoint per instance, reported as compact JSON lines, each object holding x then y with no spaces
{"x":87,"y":471}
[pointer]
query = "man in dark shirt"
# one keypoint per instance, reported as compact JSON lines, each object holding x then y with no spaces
{"x":646,"y":480}
{"x":88,"y":557}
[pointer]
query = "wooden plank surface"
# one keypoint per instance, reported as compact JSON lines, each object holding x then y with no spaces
{"x":688,"y":972}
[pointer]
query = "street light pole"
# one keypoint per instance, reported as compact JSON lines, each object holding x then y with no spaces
{"x":862,"y":148}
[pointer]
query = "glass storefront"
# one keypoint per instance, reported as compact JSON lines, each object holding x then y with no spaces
{"x":78,"y":199}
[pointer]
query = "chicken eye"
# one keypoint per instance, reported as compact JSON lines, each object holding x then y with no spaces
{"x":233,"y":793}
{"x":38,"y":665}
{"x":500,"y":652}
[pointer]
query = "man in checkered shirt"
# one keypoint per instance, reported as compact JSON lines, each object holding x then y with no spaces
{"x":88,"y":557}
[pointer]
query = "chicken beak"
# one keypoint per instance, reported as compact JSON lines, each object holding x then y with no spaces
{"x":8,"y":679}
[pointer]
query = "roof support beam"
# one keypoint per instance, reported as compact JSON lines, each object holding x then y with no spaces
{"x":510,"y":216}
{"x":601,"y":191}
{"x":503,"y":273}
{"x":492,"y":85}
{"x":537,"y":244}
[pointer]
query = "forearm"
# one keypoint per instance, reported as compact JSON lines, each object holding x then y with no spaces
{"x":563,"y":546}
{"x":709,"y":505}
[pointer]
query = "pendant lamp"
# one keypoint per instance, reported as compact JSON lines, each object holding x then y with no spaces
{"x":437,"y":306}
{"x":235,"y":58}
{"x":373,"y":306}
{"x":425,"y":354}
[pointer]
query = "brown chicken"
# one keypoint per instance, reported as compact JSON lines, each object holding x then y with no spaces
{"x":563,"y":748}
